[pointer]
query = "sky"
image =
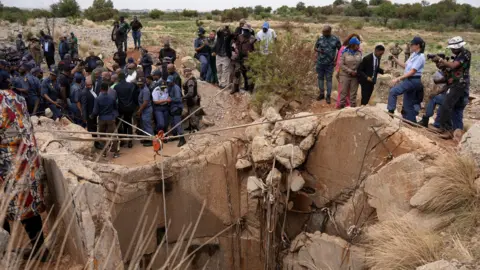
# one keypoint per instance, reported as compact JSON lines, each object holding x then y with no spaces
{"x":203,"y":5}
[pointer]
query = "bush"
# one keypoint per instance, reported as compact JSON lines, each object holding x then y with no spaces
{"x":66,"y":8}
{"x":274,"y":74}
{"x":101,"y":10}
{"x":155,"y":14}
{"x":357,"y":24}
{"x":209,"y":16}
{"x":189,"y":13}
{"x":234,"y":14}
{"x":476,"y":22}
{"x":398,"y":24}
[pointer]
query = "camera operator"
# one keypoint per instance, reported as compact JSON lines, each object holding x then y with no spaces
{"x":456,"y":97}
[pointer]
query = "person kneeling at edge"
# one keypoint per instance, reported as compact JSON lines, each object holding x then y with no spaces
{"x":410,"y":85}
{"x":176,"y":108}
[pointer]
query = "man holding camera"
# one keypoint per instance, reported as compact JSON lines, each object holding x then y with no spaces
{"x":458,"y":81}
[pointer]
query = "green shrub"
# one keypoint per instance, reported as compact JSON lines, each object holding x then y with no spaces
{"x":287,"y":71}
{"x":476,"y":22}
{"x":209,"y":16}
{"x":398,"y":24}
{"x":155,"y":14}
{"x":357,"y":24}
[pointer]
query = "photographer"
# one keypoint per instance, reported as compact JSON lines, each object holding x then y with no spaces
{"x":438,"y":95}
{"x":456,"y":97}
{"x":410,"y":82}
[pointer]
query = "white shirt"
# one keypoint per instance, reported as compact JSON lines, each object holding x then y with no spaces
{"x":375,"y":60}
{"x":93,"y":92}
{"x":46,"y":46}
{"x":266,"y":38}
{"x":159,"y":94}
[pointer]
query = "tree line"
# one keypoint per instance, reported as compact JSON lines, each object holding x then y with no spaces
{"x":444,"y":13}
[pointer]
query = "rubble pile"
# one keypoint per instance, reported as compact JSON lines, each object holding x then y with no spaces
{"x":10,"y":54}
{"x":331,"y":176}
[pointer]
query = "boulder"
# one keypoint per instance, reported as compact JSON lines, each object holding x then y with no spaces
{"x":391,"y":189}
{"x":296,"y":181}
{"x":4,"y":236}
{"x":290,"y":156}
{"x":272,"y":115}
{"x":423,"y":195}
{"x":274,"y":176}
{"x":323,"y":251}
{"x":438,"y":265}
{"x":470,"y":143}
{"x":254,"y":183}
{"x":243,"y":164}
{"x":258,"y":130}
{"x":262,"y":150}
{"x":307,"y":143}
{"x":284,"y":138}
{"x":302,"y":126}
{"x":352,"y":212}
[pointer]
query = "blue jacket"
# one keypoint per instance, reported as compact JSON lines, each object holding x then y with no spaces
{"x":175,"y":94}
{"x":62,"y":48}
{"x":105,"y":107}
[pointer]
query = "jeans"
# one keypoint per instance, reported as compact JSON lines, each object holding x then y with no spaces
{"x":162,"y":114}
{"x":204,"y":66}
{"x":147,"y":120}
{"x":325,"y":72}
{"x":31,"y":100}
{"x":74,"y":114}
{"x":408,"y":88}
{"x":137,"y":37}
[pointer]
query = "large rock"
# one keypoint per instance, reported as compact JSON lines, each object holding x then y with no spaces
{"x":470,"y":143}
{"x":307,"y":143}
{"x":300,"y":127}
{"x":262,"y":150}
{"x":290,"y":156}
{"x":351,"y":214}
{"x":276,"y":102}
{"x":296,"y":181}
{"x":323,"y":251}
{"x":438,"y":265}
{"x":272,"y":115}
{"x":258,"y":130}
{"x":391,"y":189}
{"x":243,"y":164}
{"x":429,"y":222}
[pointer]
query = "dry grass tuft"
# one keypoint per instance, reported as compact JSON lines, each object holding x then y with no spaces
{"x":400,"y":245}
{"x":453,"y":186}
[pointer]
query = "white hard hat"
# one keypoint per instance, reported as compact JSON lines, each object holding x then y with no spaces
{"x":456,"y":43}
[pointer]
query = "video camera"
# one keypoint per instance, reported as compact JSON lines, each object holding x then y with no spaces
{"x":441,"y":55}
{"x":80,"y":61}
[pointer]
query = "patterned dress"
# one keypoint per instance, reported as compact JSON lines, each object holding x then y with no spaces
{"x":20,"y":168}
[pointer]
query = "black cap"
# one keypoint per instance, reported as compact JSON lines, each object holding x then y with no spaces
{"x":417,"y":41}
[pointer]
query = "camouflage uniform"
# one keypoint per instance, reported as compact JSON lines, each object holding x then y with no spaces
{"x":36,"y":51}
{"x":192,"y":100}
{"x":407,"y":51}
{"x":395,"y":51}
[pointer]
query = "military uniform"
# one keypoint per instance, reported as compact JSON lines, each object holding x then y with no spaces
{"x":407,"y":51}
{"x":190,"y":96}
{"x":243,"y":46}
{"x":395,"y":51}
{"x":327,"y":47}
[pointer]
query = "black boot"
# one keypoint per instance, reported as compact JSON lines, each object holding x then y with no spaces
{"x":328,"y":100}
{"x":181,"y":142}
{"x":236,"y":88}
{"x":424,"y":121}
{"x":392,"y":112}
{"x":321,"y":96}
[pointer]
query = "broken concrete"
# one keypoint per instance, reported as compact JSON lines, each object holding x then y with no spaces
{"x":296,"y":181}
{"x":322,"y":251}
{"x":391,"y":189}
{"x":258,"y":130}
{"x":243,"y":164}
{"x":290,"y":156}
{"x":299,"y":127}
{"x":262,"y":150}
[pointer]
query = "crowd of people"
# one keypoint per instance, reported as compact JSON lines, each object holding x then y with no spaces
{"x":352,"y":69}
